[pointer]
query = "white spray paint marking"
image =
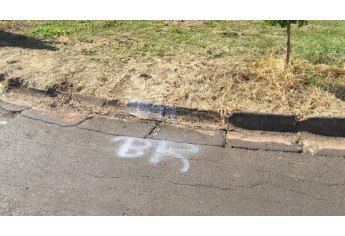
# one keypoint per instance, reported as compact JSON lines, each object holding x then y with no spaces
{"x":3,"y":122}
{"x":137,"y":147}
{"x":132,"y":148}
{"x":147,"y":109}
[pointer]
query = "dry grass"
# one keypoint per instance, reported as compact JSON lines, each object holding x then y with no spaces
{"x":265,"y":86}
{"x":177,"y":65}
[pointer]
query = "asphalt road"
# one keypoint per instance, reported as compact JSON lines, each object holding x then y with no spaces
{"x":75,"y":166}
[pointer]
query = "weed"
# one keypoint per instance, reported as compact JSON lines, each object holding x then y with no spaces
{"x":46,"y":31}
{"x":176,"y":30}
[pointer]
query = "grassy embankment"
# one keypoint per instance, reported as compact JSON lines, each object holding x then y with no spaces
{"x":220,"y":65}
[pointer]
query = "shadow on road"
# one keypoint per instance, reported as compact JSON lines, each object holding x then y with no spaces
{"x":8,"y":39}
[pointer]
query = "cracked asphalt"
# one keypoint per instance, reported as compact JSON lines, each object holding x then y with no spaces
{"x":69,"y":164}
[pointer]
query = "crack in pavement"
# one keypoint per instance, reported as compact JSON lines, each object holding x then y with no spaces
{"x":207,"y":145}
{"x":98,"y":131}
{"x":265,"y":149}
{"x":269,"y":182}
{"x":308,"y":180}
{"x":102,"y":176}
{"x":154,"y":129}
{"x":225,"y":142}
{"x":52,"y":123}
{"x":299,"y":192}
{"x":313,"y":180}
{"x":146,"y":137}
{"x":127,"y":135}
{"x":87,"y":118}
{"x":220,"y":188}
{"x":331,"y":184}
{"x":8,"y":114}
{"x":204,"y":159}
{"x":210,"y":186}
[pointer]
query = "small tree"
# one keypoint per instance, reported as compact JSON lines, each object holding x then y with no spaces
{"x":287,"y":24}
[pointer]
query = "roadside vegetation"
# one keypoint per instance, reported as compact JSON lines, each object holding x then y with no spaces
{"x":219,"y":65}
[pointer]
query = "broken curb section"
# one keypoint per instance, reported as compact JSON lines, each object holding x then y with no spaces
{"x":12,"y":107}
{"x":328,"y":126}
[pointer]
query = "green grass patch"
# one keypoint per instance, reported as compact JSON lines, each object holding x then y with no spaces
{"x":46,"y":31}
{"x":318,"y":42}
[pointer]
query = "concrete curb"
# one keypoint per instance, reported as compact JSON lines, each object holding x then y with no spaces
{"x":105,"y":125}
{"x":152,"y":110}
{"x":172,"y":112}
{"x":329,"y":126}
{"x":90,"y":99}
{"x":209,"y":115}
{"x":50,"y":92}
{"x":21,"y":85}
{"x":267,"y":146}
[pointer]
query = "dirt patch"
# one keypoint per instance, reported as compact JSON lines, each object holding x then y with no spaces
{"x":63,"y":113}
{"x":185,"y":23}
{"x":14,"y":26}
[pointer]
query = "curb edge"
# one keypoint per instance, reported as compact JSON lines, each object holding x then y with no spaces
{"x":328,"y":126}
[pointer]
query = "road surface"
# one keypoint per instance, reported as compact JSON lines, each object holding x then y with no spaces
{"x":71,"y":165}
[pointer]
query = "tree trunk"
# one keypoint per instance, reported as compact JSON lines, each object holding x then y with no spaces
{"x":288,"y":50}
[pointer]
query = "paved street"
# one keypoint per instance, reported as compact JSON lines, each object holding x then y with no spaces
{"x":72,"y":165}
